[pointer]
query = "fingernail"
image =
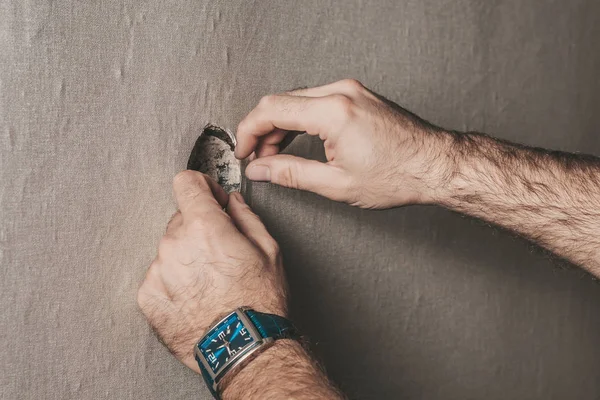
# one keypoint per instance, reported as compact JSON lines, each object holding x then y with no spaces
{"x":238,"y":196}
{"x":258,"y":173}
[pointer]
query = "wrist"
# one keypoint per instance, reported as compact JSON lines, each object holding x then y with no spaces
{"x":467,"y":158}
{"x":435,"y":170}
{"x":447,"y":161}
{"x":284,"y":370}
{"x":242,"y":380}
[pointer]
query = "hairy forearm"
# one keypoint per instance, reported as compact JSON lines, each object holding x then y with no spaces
{"x":284,"y":371}
{"x":550,"y":197}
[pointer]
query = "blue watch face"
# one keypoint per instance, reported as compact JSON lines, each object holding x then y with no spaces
{"x":225,"y":341}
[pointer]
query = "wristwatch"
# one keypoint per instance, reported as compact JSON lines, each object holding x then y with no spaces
{"x":235,"y":340}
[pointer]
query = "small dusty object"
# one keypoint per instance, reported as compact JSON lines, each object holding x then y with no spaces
{"x":213,"y":155}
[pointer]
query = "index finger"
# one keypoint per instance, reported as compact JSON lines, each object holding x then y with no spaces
{"x":283,"y":111}
{"x":196,"y":192}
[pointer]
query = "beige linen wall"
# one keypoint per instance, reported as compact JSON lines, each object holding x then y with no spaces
{"x":100,"y":103}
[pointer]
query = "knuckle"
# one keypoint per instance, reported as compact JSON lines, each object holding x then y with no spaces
{"x":266,"y":101}
{"x":353,"y":84}
{"x":184,"y":177}
{"x":243,"y":126}
{"x":187,"y":182}
{"x":271,"y":248}
{"x":344,"y":106}
{"x":202,"y":180}
{"x":288,"y":176}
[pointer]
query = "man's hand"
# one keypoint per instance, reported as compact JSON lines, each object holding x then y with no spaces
{"x":209,"y":262}
{"x":379,"y":155}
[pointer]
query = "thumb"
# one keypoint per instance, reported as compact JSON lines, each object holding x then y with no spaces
{"x":300,"y":173}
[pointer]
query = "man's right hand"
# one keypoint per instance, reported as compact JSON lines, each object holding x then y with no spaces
{"x":378,"y":154}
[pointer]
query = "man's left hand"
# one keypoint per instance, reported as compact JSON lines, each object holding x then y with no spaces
{"x":209,"y":262}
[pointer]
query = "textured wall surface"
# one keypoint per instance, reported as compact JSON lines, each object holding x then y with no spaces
{"x":100,"y":103}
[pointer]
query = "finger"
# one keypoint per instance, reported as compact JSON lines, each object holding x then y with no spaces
{"x":274,"y":143}
{"x":312,"y":115}
{"x":299,"y":173}
{"x":347,"y":87}
{"x":175,"y":222}
{"x":250,"y":224}
{"x":217,"y":191}
{"x":266,"y":149}
{"x":195,"y":191}
{"x":269,"y":144}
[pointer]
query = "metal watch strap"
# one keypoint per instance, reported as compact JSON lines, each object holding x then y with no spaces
{"x":268,"y":326}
